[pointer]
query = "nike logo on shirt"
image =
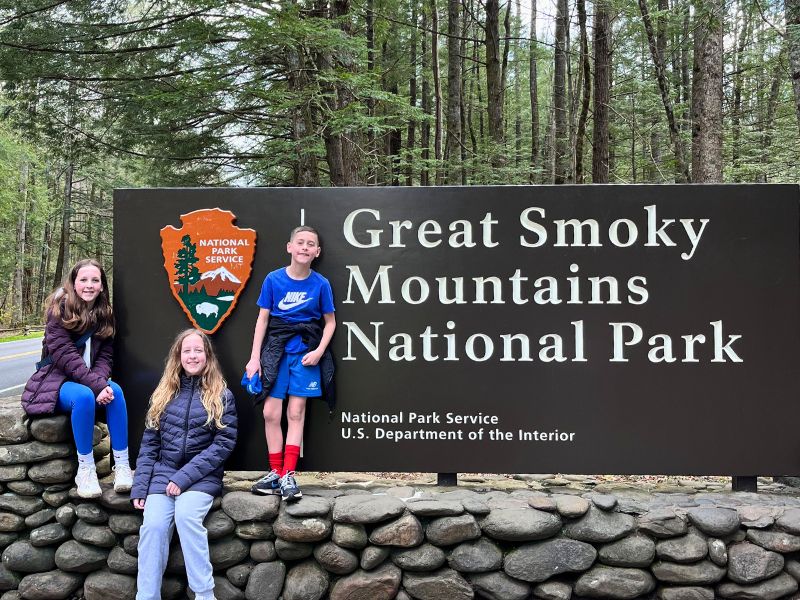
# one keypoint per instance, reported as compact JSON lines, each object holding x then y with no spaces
{"x":293,"y":300}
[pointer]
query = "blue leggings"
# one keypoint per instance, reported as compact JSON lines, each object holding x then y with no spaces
{"x":79,"y":400}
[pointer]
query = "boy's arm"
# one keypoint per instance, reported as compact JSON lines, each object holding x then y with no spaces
{"x":254,"y":364}
{"x":313,"y":357}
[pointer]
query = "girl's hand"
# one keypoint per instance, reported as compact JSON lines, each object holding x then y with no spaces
{"x":253,"y":366}
{"x":138,"y":503}
{"x":106,"y":396}
{"x":172,"y":489}
{"x":312,"y":358}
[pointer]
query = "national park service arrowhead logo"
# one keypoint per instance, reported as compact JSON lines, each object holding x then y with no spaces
{"x":208,"y":262}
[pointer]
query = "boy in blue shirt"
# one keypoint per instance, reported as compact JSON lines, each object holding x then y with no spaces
{"x":288,"y":344}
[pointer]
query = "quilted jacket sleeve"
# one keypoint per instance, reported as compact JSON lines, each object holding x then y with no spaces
{"x":61,"y":348}
{"x":215,"y":455}
{"x":148,"y":455}
{"x":104,"y":359}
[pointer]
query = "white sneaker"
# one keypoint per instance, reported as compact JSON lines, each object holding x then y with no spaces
{"x":86,"y":480}
{"x":123,"y":479}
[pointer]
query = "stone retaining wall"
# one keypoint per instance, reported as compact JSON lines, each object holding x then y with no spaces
{"x":404,"y":542}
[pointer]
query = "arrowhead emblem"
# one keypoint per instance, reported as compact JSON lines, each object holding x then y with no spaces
{"x":208,"y":262}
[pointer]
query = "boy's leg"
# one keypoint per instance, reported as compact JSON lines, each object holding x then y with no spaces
{"x":273,"y":409}
{"x":154,"y":536}
{"x":296,"y":418}
{"x":190,"y":510}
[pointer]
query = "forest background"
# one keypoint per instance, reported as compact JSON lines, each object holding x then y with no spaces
{"x":98,"y":94}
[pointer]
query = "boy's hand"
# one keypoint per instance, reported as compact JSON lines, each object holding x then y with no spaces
{"x":253,"y":366}
{"x":312,"y":358}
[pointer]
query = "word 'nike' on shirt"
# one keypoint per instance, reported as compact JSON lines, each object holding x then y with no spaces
{"x":293,"y":300}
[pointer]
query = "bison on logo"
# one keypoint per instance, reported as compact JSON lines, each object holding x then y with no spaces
{"x":208,"y":262}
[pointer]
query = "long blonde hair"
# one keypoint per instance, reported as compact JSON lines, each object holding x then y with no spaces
{"x":212,"y":383}
{"x":74,"y":313}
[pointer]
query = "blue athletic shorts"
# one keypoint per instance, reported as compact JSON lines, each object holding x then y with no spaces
{"x":296,"y":379}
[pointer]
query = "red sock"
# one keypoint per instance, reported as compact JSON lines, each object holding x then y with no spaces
{"x":291,"y":454}
{"x":276,"y":461}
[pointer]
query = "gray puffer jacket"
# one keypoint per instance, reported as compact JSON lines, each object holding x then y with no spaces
{"x":184,"y":449}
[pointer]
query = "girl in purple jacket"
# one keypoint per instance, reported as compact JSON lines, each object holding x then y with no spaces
{"x":74,"y":376}
{"x":190,"y":432}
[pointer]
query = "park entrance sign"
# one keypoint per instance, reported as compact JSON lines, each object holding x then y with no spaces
{"x":584,"y":329}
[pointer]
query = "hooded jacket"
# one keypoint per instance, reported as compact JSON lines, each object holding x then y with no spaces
{"x":280,"y":331}
{"x":184,"y":449}
{"x":41,"y":390}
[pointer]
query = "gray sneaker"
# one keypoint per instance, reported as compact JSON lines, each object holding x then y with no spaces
{"x":269,"y":485}
{"x":289,"y":490}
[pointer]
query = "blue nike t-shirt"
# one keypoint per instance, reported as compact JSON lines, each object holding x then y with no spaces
{"x":296,"y":300}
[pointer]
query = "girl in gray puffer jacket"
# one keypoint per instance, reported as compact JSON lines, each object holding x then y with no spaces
{"x":190,"y":432}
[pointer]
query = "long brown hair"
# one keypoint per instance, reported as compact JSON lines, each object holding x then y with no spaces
{"x":212,"y":383}
{"x":74,"y":312}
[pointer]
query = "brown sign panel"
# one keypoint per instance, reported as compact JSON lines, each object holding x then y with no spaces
{"x":208,"y":262}
{"x":583,"y":329}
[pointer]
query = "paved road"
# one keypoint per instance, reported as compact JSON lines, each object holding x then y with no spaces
{"x":16,"y":364}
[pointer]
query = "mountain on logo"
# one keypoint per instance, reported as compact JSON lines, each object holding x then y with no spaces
{"x":222,"y":273}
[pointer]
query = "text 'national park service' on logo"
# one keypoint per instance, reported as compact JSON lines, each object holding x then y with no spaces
{"x":208,"y":262}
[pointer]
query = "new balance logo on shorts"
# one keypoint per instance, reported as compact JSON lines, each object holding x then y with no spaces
{"x":293,"y":300}
{"x":313,"y":385}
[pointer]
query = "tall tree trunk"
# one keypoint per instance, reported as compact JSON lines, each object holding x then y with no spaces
{"x":437,"y":90}
{"x":681,"y":174}
{"x":517,"y":86}
{"x":462,"y":108}
{"x":425,"y":137}
{"x":561,"y":168}
{"x":587,"y":91}
{"x":792,"y":9}
{"x":372,"y":172}
{"x":452,"y":152}
{"x":769,"y":121}
{"x":534,"y":94}
{"x":63,"y":261}
{"x":306,"y":172}
{"x":741,"y":37}
{"x":494,"y":80}
{"x":707,"y":92}
{"x":19,"y":263}
{"x":412,"y":98}
{"x":602,"y":90}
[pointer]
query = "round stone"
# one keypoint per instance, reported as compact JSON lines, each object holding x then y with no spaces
{"x":263,"y":551}
{"x":447,"y":531}
{"x":265,"y":581}
{"x":426,"y":557}
{"x":479,"y":556}
{"x":687,"y":548}
{"x":30,"y":452}
{"x":66,"y":515}
{"x":25,"y":487}
{"x":366,"y":509}
{"x":121,"y":562}
{"x":520,"y":524}
{"x":662,"y":523}
{"x":598,"y":526}
{"x":47,"y":535}
{"x":336,"y":559}
{"x":52,"y":429}
{"x":540,"y":561}
{"x":21,"y":505}
{"x":126,"y":524}
{"x":11,"y":522}
{"x":53,"y":584}
{"x":748,"y":563}
{"x":435,"y":508}
{"x":226,"y":553}
{"x":244,"y":506}
{"x":379,"y":584}
{"x":716,"y":522}
{"x":306,"y":581}
{"x":704,"y":572}
{"x":499,"y":585}
{"x":350,"y":535}
{"x":294,"y":529}
{"x":25,"y":557}
{"x":614,"y":582}
{"x":105,"y":584}
{"x":404,"y":532}
{"x":571,"y":507}
{"x":218,"y":525}
{"x":636,"y":550}
{"x":239,"y":574}
{"x":53,"y":471}
{"x":309,"y":506}
{"x":91,"y":513}
{"x":75,"y":557}
{"x":96,"y":535}
{"x":781,"y":586}
{"x":444,"y":583}
{"x":38,"y":519}
{"x":372,"y":556}
{"x":255,"y":530}
{"x":287,"y":550}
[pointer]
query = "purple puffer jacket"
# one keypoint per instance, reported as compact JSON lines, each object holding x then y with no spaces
{"x":41,"y":391}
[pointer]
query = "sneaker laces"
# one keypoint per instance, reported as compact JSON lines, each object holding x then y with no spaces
{"x":268,"y":475}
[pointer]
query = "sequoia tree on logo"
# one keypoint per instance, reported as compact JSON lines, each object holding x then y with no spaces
{"x":208,"y":262}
